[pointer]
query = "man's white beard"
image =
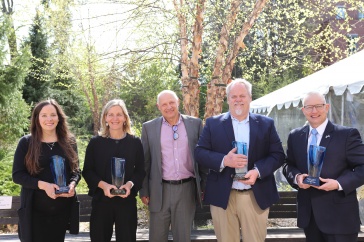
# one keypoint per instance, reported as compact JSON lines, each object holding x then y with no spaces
{"x":239,"y":111}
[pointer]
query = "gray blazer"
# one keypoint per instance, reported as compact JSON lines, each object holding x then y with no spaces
{"x":151,"y":136}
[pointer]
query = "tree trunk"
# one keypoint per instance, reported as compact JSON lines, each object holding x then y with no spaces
{"x":190,"y":67}
{"x":95,"y":107}
{"x":217,"y":87}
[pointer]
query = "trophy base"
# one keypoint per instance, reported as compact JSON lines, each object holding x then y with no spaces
{"x":239,"y":176}
{"x":315,"y":181}
{"x":62,"y":190}
{"x":118,"y":191}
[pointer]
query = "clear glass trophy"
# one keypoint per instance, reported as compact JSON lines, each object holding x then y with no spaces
{"x":59,"y":173}
{"x":117,"y":175}
{"x":242,"y":148}
{"x":316,"y":155}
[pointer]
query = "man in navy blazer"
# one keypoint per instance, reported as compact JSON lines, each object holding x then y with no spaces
{"x":239,"y":204}
{"x":328,"y":212}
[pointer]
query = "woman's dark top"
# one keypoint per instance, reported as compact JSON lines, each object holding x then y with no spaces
{"x":41,"y":202}
{"x":97,"y":166}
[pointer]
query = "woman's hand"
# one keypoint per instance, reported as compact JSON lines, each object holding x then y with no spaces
{"x":49,"y":188}
{"x":71,"y":191}
{"x":106,"y":187}
{"x":127,"y":187}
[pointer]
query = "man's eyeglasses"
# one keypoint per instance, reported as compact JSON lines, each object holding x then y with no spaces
{"x":175,"y":134}
{"x":319,"y":107}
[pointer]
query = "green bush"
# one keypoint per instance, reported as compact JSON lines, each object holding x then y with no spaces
{"x":82,"y":142}
{"x":7,"y":186}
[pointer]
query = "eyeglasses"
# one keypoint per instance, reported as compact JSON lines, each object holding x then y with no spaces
{"x":319,"y":107}
{"x":175,"y":134}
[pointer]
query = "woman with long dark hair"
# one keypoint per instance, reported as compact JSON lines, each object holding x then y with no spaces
{"x":45,"y":214}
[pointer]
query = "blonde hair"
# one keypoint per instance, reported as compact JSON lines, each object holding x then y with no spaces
{"x":104,"y":130}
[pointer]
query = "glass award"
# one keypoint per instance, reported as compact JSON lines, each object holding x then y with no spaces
{"x":59,"y":174}
{"x":242,"y":148}
{"x":117,"y":175}
{"x":316,"y":155}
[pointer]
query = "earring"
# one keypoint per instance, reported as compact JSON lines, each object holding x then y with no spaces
{"x":124,"y":123}
{"x":107,"y":124}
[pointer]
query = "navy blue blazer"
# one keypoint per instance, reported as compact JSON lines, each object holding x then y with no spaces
{"x":265,"y":152}
{"x":336,"y":212}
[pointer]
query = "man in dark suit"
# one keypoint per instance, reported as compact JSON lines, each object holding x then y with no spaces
{"x":239,"y":204}
{"x":173,"y":178}
{"x":329,"y":212}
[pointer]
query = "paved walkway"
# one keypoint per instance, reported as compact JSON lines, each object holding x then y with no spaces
{"x":142,"y":236}
{"x":286,"y":234}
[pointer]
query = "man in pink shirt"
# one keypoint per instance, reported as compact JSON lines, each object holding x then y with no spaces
{"x":173,"y":178}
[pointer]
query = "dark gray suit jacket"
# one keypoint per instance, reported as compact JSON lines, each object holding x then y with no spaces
{"x":151,"y":140}
{"x":336,"y":212}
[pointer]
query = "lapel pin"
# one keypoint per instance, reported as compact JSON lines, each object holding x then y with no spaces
{"x":327,"y":136}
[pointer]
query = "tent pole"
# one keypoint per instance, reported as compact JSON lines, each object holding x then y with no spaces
{"x":342,"y":107}
{"x":329,"y":101}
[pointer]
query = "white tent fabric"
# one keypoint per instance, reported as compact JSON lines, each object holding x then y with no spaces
{"x":345,"y":74}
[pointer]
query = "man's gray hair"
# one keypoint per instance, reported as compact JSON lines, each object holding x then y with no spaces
{"x":247,"y":84}
{"x":165,"y":92}
{"x":313,"y":93}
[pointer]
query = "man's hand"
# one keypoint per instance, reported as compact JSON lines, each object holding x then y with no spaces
{"x":251,"y":177}
{"x":300,"y":183}
{"x":235,"y":160}
{"x":145,"y":200}
{"x":329,"y":185}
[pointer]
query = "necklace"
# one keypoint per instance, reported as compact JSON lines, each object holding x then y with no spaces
{"x":50,"y":145}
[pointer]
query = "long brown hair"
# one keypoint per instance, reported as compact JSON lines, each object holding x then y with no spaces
{"x":65,"y":138}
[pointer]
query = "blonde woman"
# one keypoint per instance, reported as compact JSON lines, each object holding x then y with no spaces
{"x":114,"y":141}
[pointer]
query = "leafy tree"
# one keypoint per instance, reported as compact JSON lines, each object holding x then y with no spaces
{"x":140,"y":85}
{"x":209,"y":39}
{"x":12,"y":71}
{"x":50,"y":76}
{"x":37,"y":82}
{"x":13,"y":110}
{"x":14,"y":120}
{"x":7,"y":10}
{"x":92,"y":81}
{"x":73,"y":103}
{"x":292,"y":39}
